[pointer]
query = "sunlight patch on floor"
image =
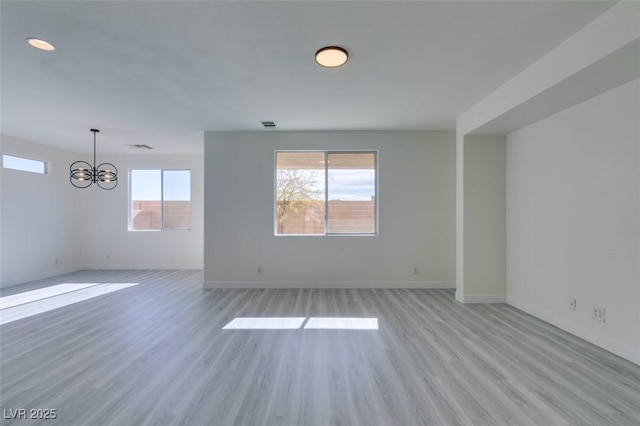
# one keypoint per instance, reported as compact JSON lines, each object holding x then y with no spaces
{"x":269,"y":323}
{"x":336,"y":323}
{"x":41,"y":293}
{"x":23,"y":305}
{"x":294,"y":323}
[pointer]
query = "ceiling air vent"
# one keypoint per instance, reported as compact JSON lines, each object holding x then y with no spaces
{"x":268,"y":124}
{"x":141,"y":146}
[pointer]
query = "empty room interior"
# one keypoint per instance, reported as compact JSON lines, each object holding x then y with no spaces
{"x":320,"y":212}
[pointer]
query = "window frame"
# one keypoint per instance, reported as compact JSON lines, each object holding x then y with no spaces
{"x":45,"y":164}
{"x":162,"y":228}
{"x":376,"y":155}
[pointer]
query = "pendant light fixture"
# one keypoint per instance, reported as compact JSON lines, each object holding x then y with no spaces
{"x":84,"y":174}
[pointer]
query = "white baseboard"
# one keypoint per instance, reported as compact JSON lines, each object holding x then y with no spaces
{"x":480,"y":298}
{"x":331,"y":284}
{"x":625,"y":351}
{"x":40,"y":276}
{"x":128,"y":267}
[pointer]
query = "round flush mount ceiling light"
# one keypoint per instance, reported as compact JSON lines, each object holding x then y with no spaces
{"x":40,"y":44}
{"x":331,"y":56}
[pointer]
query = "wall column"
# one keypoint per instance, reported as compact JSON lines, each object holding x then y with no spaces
{"x":480,"y":218}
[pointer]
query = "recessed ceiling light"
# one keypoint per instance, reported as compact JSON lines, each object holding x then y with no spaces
{"x":331,"y":56}
{"x":40,"y":44}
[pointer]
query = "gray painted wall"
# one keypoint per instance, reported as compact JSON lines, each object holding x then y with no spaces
{"x":416,"y":214}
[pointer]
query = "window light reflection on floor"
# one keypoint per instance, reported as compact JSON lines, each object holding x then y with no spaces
{"x":269,"y":323}
{"x":335,"y":323}
{"x":23,"y":305}
{"x":41,"y":293}
{"x":294,"y":323}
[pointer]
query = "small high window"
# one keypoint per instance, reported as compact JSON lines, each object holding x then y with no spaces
{"x":23,"y":164}
{"x":325,"y":193}
{"x":160,"y":200}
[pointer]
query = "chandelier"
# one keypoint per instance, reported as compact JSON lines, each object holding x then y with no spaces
{"x":84,"y":174}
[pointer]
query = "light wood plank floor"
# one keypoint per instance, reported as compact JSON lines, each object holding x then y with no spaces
{"x":155,"y":353}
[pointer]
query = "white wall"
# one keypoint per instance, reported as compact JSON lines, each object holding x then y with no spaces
{"x":416,"y":214}
{"x":45,"y":218}
{"x":105,"y":222}
{"x":1,"y":269}
{"x":40,"y":216}
{"x":482,"y":228}
{"x":573,"y":219}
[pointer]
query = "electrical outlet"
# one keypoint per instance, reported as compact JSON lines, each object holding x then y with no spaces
{"x":259,"y":272}
{"x":572,"y":304}
{"x":416,"y":271}
{"x":598,"y":313}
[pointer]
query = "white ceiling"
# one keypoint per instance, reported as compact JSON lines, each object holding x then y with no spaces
{"x":162,"y":72}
